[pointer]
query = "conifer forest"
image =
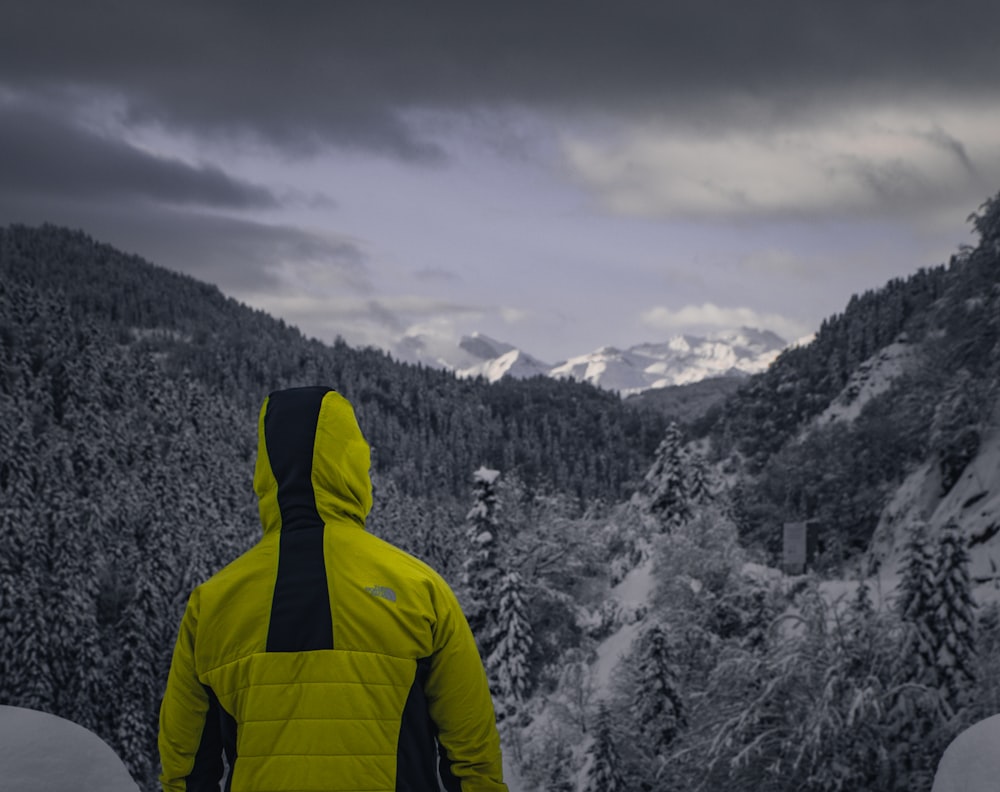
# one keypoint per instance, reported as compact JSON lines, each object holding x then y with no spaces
{"x":128,"y":402}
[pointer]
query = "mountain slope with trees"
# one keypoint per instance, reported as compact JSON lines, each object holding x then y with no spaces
{"x":793,"y":461}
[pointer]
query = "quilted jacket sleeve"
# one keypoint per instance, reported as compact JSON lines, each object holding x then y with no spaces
{"x":189,"y":741}
{"x":461,"y":707}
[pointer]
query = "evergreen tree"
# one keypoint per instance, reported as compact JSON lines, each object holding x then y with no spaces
{"x":917,"y":599}
{"x":480,"y":571}
{"x":665,"y":483}
{"x":914,"y":717}
{"x":146,"y":643}
{"x":954,"y":620}
{"x":699,"y":489}
{"x":507,"y":665}
{"x":74,"y":652}
{"x":604,"y":772}
{"x":556,"y":773}
{"x":27,"y":676}
{"x":656,"y":701}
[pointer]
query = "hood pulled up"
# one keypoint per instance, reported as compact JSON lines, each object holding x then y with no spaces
{"x":312,"y":461}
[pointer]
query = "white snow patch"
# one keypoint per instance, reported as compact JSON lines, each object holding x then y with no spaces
{"x":610,"y":652}
{"x":636,"y":586}
{"x":485,"y":474}
{"x":632,"y":597}
{"x":40,"y":752}
{"x":871,"y":378}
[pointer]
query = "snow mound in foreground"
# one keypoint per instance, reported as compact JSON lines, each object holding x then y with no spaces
{"x":40,"y":752}
{"x":971,"y":763}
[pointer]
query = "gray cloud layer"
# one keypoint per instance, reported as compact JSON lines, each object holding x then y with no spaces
{"x":737,"y":104}
{"x":42,"y":154}
{"x":302,"y":74}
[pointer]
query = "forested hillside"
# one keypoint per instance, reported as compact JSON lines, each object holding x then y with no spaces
{"x":429,"y":428}
{"x":939,"y":330}
{"x":128,"y":399}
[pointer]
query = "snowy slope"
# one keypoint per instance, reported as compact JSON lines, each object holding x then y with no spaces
{"x":631,"y":597}
{"x":607,"y":367}
{"x":42,"y":753}
{"x":974,"y":501}
{"x":872,"y":377}
{"x":514,"y":363}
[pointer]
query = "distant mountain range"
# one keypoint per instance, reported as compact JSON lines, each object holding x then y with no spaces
{"x":680,"y":360}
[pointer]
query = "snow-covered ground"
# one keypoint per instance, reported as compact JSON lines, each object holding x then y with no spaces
{"x":631,"y":596}
{"x":973,"y":502}
{"x":972,"y":762}
{"x":40,"y":752}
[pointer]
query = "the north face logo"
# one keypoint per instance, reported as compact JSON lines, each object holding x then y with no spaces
{"x":384,"y":592}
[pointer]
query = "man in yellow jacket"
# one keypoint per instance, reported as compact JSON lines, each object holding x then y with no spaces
{"x":324,"y":658}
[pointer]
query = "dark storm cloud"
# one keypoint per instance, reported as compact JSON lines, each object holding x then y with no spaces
{"x":304,"y":74}
{"x":240,"y":255}
{"x":42,"y":155}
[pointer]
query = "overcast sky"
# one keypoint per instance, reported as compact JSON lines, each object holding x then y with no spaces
{"x":559,"y":175}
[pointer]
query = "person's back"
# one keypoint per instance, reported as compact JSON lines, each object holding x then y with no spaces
{"x":324,"y":658}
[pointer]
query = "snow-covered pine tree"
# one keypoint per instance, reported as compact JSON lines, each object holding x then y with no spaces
{"x":699,"y":488}
{"x":507,"y":665}
{"x":146,"y":632}
{"x":557,"y":773}
{"x":656,"y":701}
{"x":480,"y":571}
{"x":27,"y":678}
{"x":603,"y":772}
{"x":917,"y":600}
{"x":75,"y":656}
{"x":914,"y":715}
{"x":665,"y":484}
{"x":954,"y":622}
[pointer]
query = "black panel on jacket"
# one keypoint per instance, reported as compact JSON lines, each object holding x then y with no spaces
{"x":300,"y":611}
{"x":218,"y":735}
{"x":416,"y":769}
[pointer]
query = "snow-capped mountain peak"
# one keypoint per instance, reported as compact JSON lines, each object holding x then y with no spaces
{"x":513,"y":363}
{"x":676,"y":361}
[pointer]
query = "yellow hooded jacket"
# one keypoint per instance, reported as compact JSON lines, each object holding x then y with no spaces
{"x":324,"y":658}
